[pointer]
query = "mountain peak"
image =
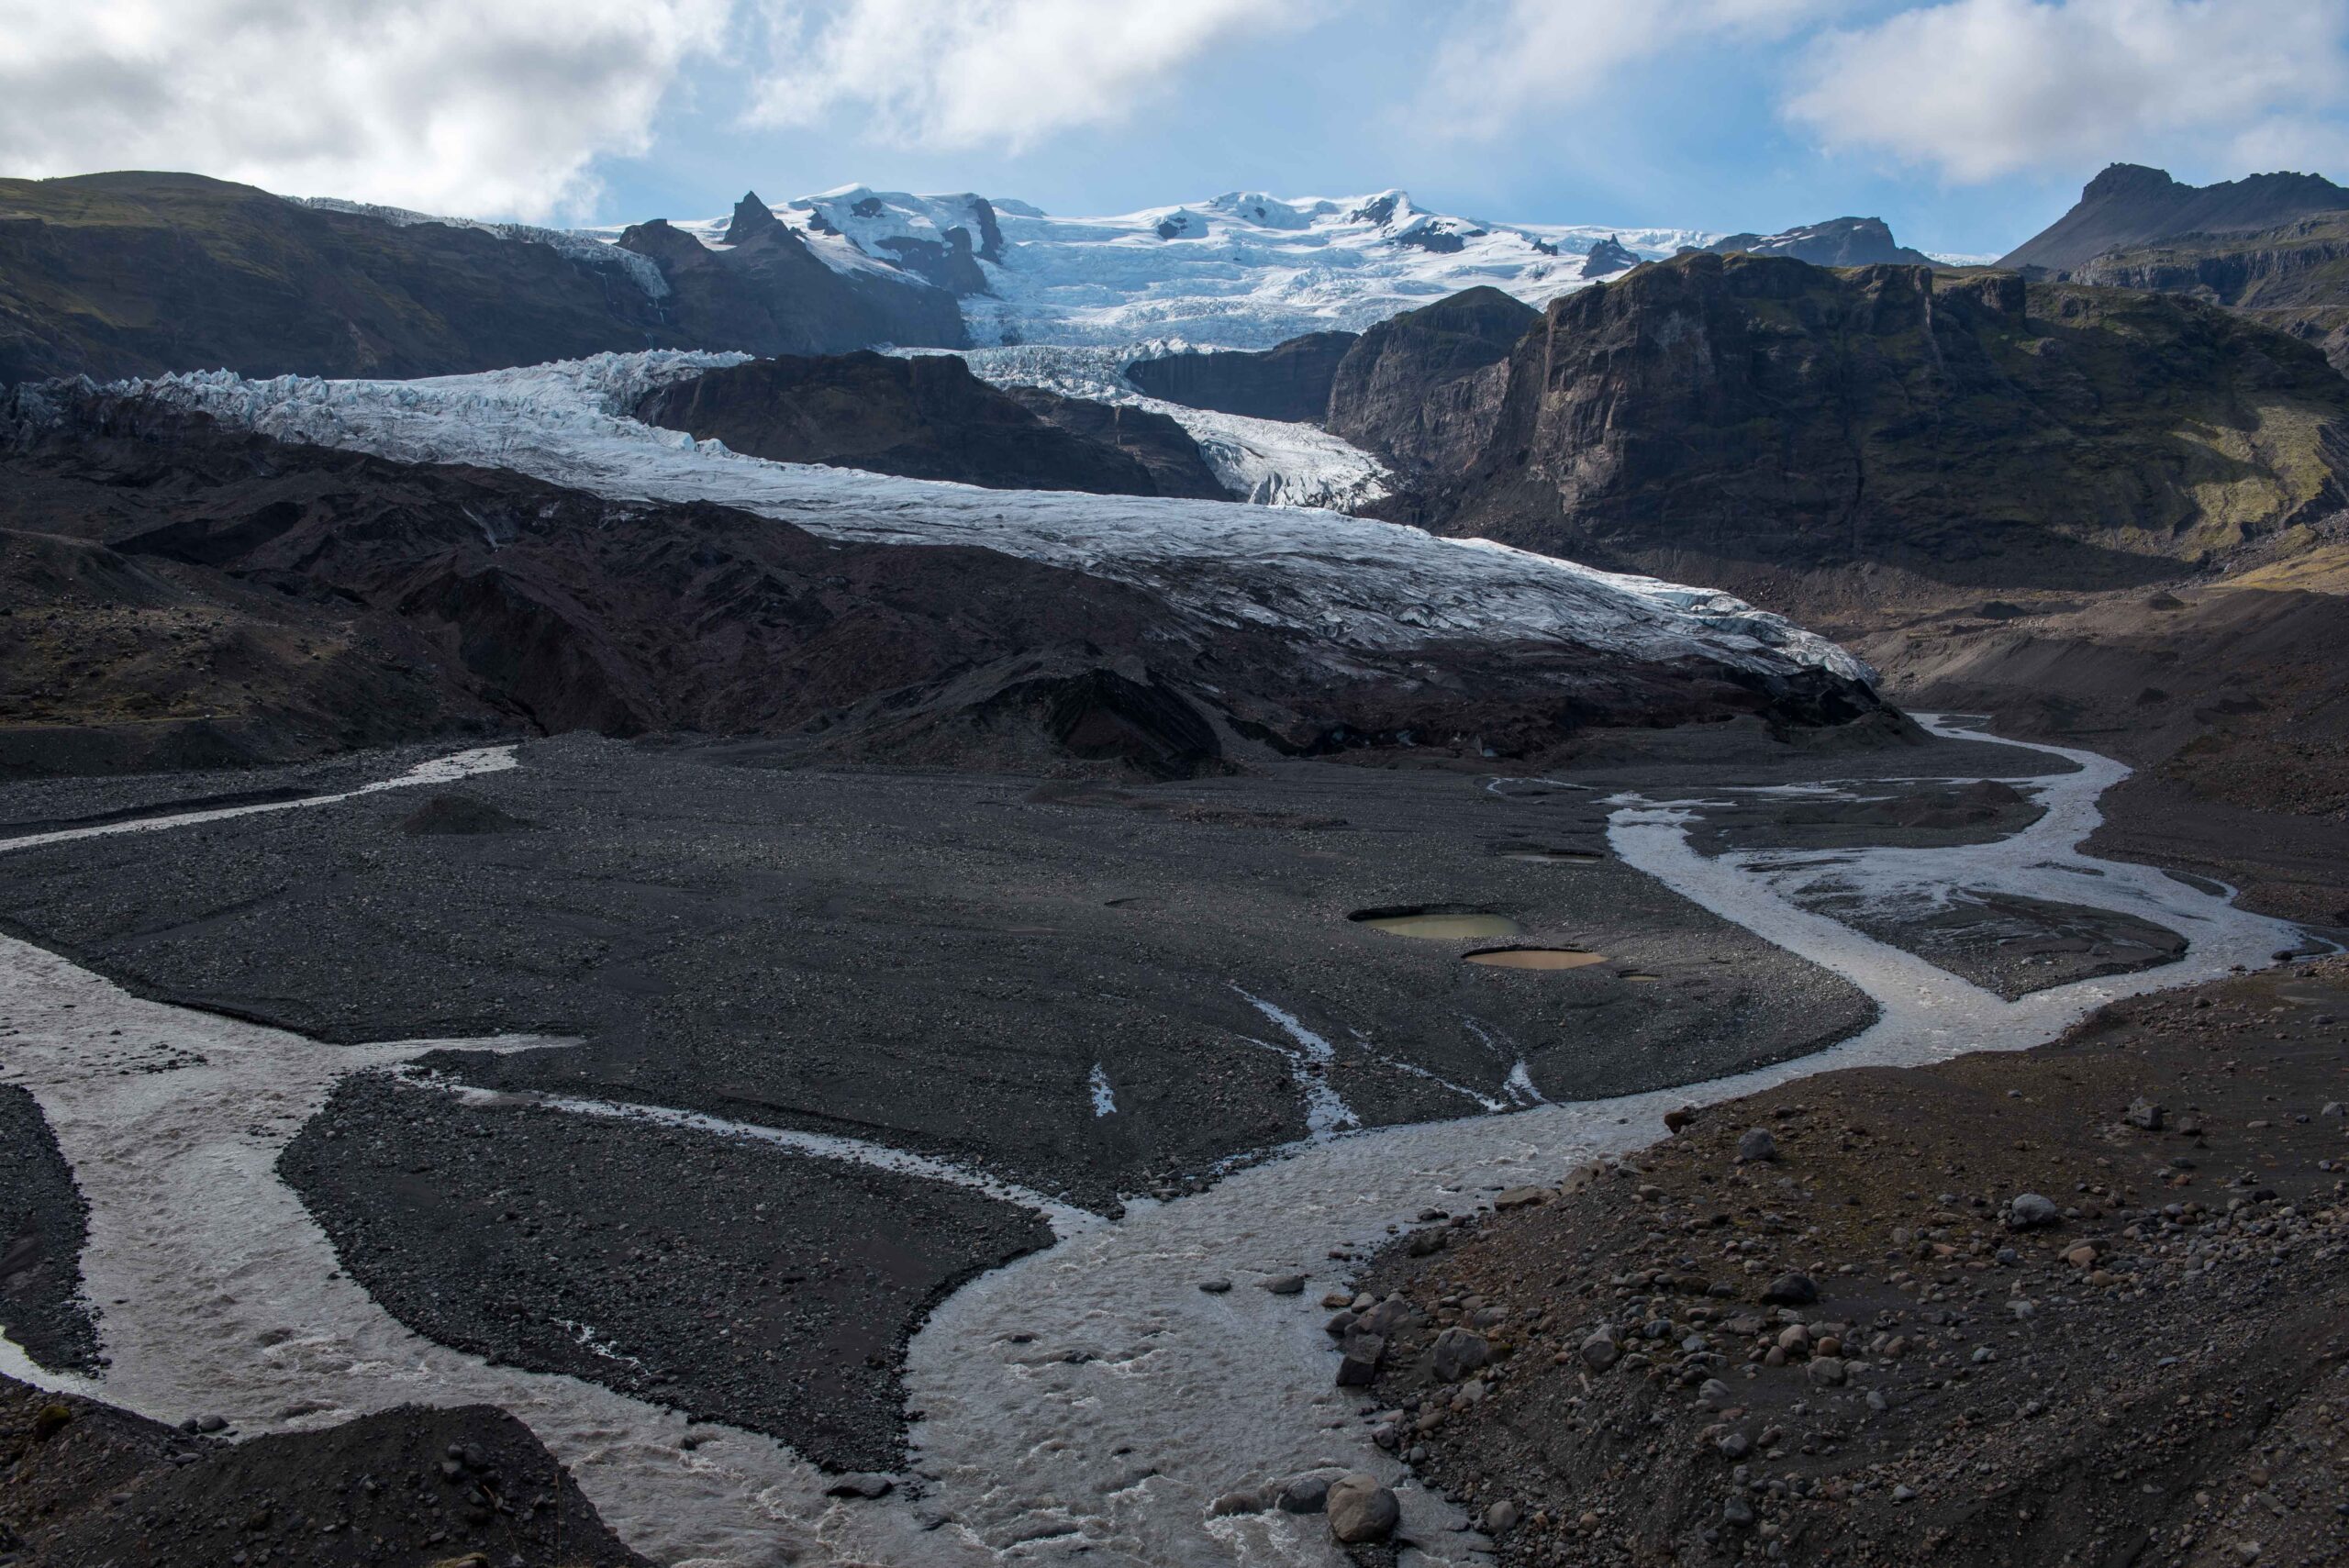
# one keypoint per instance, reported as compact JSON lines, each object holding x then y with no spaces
{"x":752,"y":216}
{"x":2130,"y":205}
{"x":1837,"y":242}
{"x":2128,"y":179}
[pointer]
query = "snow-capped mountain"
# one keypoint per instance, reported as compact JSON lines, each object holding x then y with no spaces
{"x":1244,"y":269}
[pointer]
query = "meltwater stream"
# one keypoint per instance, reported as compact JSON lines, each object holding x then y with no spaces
{"x":1086,"y":1400}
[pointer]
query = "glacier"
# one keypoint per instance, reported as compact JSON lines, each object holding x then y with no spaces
{"x":1334,"y":583}
{"x":1242,"y":270}
{"x":1273,"y":463}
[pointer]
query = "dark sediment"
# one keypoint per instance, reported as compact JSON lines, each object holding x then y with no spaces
{"x":1895,"y":813}
{"x":44,"y":1223}
{"x":2155,"y":1365}
{"x":2012,"y":945}
{"x":823,"y":950}
{"x":84,"y":1485}
{"x":735,"y":1281}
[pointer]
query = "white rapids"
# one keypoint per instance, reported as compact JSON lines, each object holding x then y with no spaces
{"x":1086,"y":1400}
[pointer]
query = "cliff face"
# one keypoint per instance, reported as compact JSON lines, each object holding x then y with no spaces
{"x":1423,"y":389}
{"x":925,"y":417}
{"x":2294,"y":277}
{"x":1290,"y":381}
{"x":112,"y":275}
{"x":2305,"y":262}
{"x":2130,"y":205}
{"x":1735,"y":416}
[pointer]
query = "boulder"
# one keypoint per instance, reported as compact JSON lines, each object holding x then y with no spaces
{"x":1361,"y":1509}
{"x":1359,"y":1363}
{"x":1458,"y":1353}
{"x":2028,"y":1211}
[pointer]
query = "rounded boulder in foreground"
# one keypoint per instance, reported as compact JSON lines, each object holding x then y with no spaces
{"x":1361,"y":1509}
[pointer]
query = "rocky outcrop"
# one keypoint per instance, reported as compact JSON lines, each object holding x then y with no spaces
{"x":926,"y":417}
{"x":1606,"y":258}
{"x":2294,"y":277}
{"x":1718,"y":418}
{"x":769,"y":294}
{"x":1838,"y":242}
{"x":1423,"y":389}
{"x":113,"y":275}
{"x":1290,"y":381}
{"x":2130,"y":205}
{"x":2305,"y":262}
{"x":1163,"y":447}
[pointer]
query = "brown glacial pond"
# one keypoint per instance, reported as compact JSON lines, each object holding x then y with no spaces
{"x":1536,"y":957}
{"x":1437,"y":923}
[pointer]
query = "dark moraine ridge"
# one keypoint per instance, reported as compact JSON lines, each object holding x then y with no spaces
{"x":2160,"y":1359}
{"x":91,"y":1485}
{"x":736,"y":1281}
{"x":43,"y":1224}
{"x":923,"y":417}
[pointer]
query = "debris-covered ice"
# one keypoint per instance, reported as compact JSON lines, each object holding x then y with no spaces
{"x":1336,"y":582}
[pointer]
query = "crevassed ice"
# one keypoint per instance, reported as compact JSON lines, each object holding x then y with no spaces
{"x":1340,"y":583}
{"x":1274,"y":462}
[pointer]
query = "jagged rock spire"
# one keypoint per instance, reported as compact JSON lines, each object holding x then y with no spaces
{"x":752,"y":216}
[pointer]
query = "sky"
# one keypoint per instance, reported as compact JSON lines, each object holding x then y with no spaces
{"x":1966,"y":124}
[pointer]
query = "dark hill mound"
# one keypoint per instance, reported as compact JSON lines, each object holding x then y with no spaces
{"x":2131,"y":205}
{"x":925,"y":417}
{"x":1838,"y":242}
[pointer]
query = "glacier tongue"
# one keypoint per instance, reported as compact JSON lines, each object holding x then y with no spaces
{"x":1339,"y":582}
{"x":1273,"y":463}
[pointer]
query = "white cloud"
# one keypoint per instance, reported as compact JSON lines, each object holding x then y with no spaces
{"x":486,"y":107}
{"x":1511,"y":61}
{"x":1980,"y":89}
{"x":1005,"y":74}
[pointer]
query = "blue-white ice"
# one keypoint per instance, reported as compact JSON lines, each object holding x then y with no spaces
{"x":1341,"y":584}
